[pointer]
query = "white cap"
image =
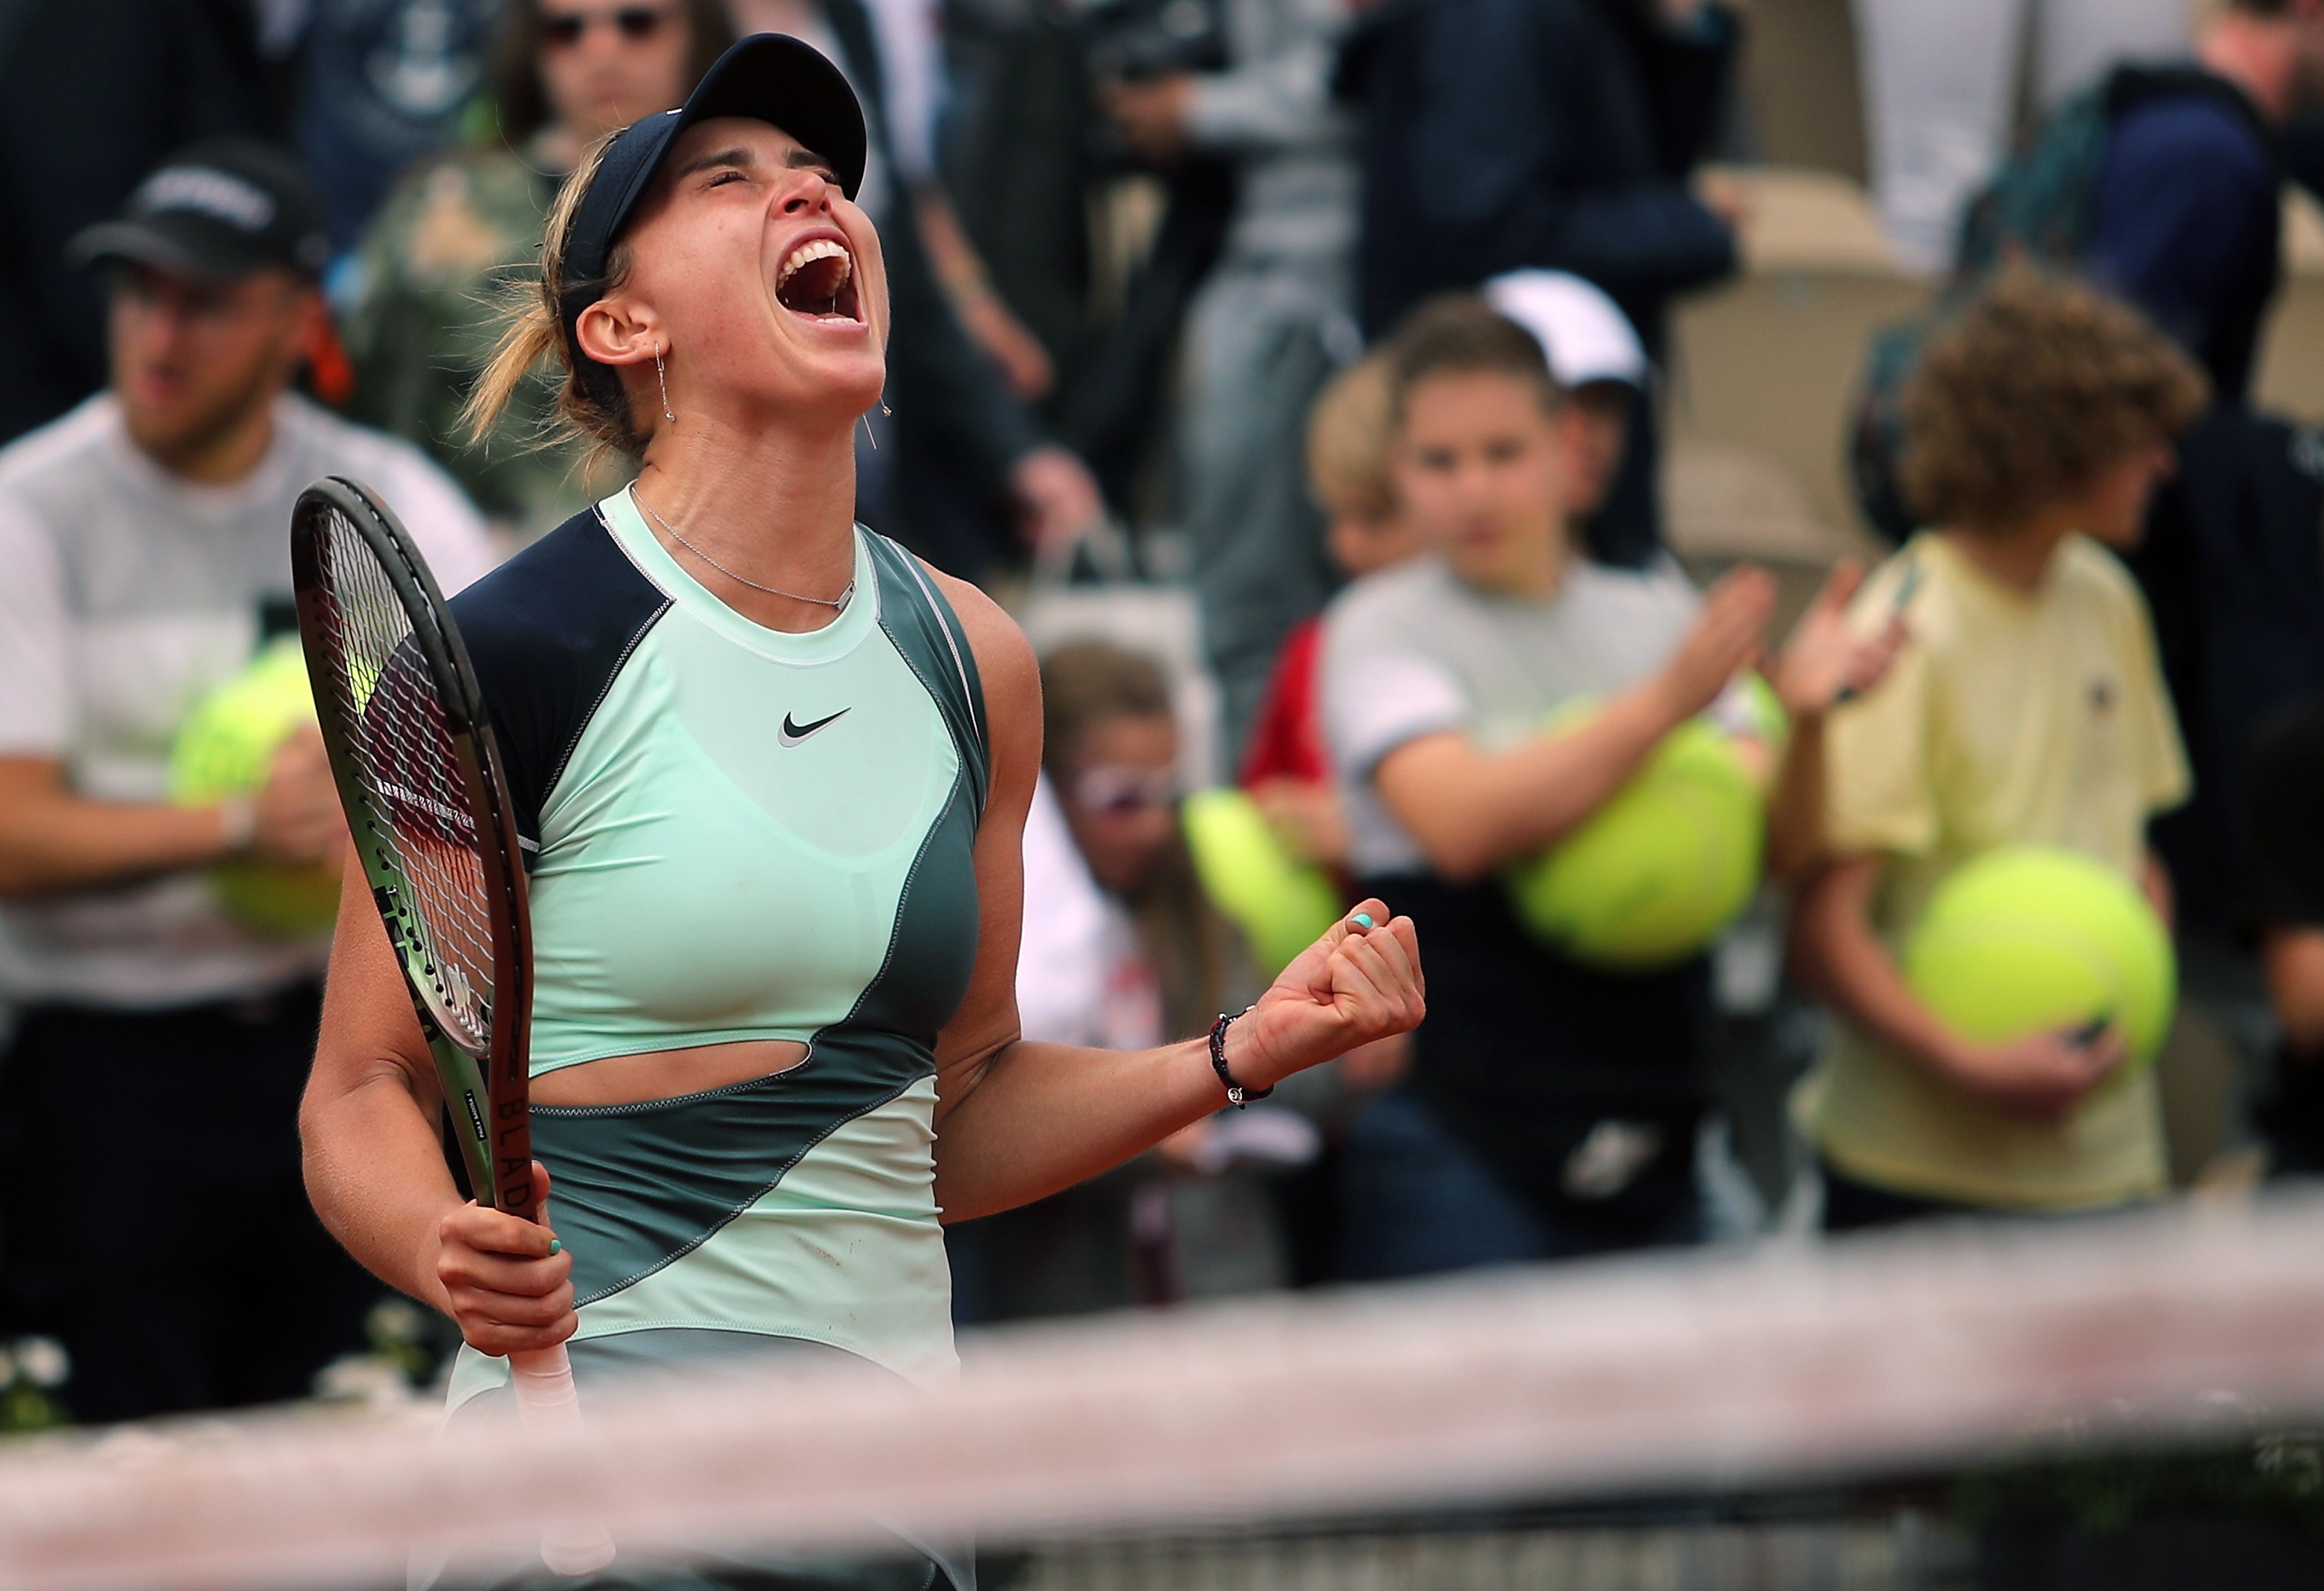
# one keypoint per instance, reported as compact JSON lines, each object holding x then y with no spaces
{"x":1585,"y":335}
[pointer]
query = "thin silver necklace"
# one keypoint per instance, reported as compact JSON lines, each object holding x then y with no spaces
{"x":834,"y":603}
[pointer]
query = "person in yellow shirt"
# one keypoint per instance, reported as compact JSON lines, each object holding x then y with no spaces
{"x":2028,"y":706}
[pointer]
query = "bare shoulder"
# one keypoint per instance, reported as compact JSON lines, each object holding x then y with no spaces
{"x":1004,"y":658}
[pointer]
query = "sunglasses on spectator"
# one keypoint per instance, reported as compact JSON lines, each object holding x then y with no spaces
{"x":1117,"y":792}
{"x":564,"y":29}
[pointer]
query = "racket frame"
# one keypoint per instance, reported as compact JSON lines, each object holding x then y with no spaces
{"x":486,"y":1093}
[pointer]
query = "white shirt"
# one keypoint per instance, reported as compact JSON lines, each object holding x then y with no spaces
{"x":127,"y":594}
{"x":1082,"y":975}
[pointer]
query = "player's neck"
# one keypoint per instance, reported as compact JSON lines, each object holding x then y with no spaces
{"x":773,"y":504}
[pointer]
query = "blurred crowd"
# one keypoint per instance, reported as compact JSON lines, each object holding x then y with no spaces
{"x":1297,"y":370}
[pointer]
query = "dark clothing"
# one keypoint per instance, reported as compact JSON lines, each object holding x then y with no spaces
{"x":2185,"y":223}
{"x":2234,"y":571}
{"x":1528,"y":1057}
{"x":955,"y":422}
{"x":2284,"y":889}
{"x":385,"y":85}
{"x":1626,"y":531}
{"x":1418,"y":1200}
{"x":93,"y":95}
{"x":1851,"y":1205}
{"x":1501,"y":133}
{"x":153,"y":1215}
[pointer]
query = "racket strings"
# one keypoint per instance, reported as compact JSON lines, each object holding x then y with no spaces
{"x":413,"y":791}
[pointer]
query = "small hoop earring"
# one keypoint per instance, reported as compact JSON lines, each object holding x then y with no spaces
{"x":662,"y":376}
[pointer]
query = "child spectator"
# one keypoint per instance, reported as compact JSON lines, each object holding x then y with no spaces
{"x":2028,"y":708}
{"x":1553,"y":1107}
{"x":1594,"y":357}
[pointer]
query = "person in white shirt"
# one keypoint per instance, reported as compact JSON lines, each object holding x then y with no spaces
{"x":148,"y":1094}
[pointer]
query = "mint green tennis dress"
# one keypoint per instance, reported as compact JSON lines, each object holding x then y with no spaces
{"x":735,"y":833}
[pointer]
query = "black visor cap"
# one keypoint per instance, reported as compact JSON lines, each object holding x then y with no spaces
{"x":769,"y":77}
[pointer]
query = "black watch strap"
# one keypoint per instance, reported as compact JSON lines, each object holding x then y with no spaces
{"x":1236,"y":1095}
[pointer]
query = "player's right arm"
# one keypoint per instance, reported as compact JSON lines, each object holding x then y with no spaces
{"x":1471,"y":810}
{"x":1837,"y":954}
{"x":375,"y":1169}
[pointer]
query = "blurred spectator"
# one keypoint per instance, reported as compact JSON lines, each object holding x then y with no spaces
{"x":93,"y":94}
{"x":2028,"y":708}
{"x":1593,"y":355}
{"x":1940,"y":90}
{"x":1553,"y":1106}
{"x":1558,"y":134}
{"x":2185,"y":224}
{"x":1501,"y":134}
{"x":2185,"y":214}
{"x":912,"y":58}
{"x":145,"y":537}
{"x":1015,"y":153}
{"x":1271,"y":321}
{"x":1596,"y":356}
{"x":423,"y":322}
{"x":2284,"y":896}
{"x":962,"y":446}
{"x":383,"y":85}
{"x":1121,"y":948}
{"x":1286,"y":766}
{"x":2162,"y":182}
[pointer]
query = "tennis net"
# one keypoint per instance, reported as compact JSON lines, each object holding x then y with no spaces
{"x":1483,"y":1432}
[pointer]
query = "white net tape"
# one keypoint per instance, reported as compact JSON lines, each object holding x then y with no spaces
{"x":1707,"y":1370}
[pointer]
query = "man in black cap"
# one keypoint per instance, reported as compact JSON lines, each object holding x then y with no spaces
{"x":149,"y":1155}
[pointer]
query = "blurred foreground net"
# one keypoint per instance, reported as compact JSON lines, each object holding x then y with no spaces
{"x":1478,"y":1433}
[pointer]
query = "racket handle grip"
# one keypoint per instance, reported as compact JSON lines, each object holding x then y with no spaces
{"x":546,"y":1401}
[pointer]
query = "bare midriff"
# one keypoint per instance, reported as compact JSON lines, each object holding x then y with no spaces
{"x":665,"y":1074}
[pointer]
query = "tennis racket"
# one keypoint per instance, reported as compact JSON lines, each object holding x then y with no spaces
{"x":428,"y":806}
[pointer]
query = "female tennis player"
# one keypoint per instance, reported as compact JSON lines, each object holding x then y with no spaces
{"x":771,"y":775}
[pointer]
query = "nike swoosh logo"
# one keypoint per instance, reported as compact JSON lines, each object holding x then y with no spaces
{"x":792,"y":734}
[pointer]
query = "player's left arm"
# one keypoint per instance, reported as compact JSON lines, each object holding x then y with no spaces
{"x":1015,"y":1121}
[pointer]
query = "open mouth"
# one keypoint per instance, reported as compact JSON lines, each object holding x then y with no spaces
{"x":818,"y":282}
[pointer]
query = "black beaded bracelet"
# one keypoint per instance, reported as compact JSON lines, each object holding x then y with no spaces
{"x":1236,"y":1095}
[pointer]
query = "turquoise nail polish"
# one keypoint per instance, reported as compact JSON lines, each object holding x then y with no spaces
{"x":1363,"y":920}
{"x":556,"y":1247}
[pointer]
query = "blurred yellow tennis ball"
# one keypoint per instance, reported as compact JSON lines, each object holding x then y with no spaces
{"x":1281,"y":904}
{"x":1668,"y":862}
{"x":224,"y":750}
{"x":2038,"y":938}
